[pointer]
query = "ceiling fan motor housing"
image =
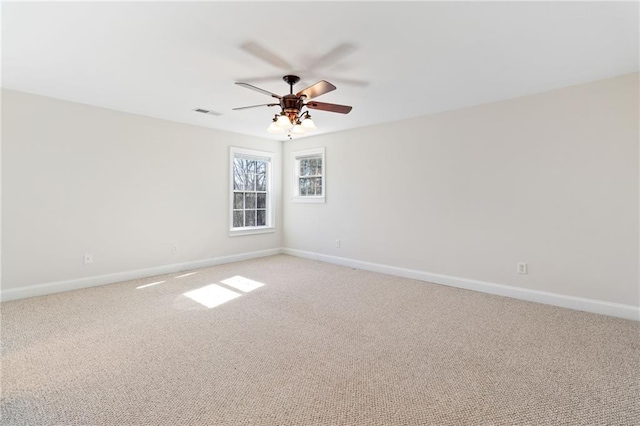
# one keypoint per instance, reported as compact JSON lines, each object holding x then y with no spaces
{"x":291,"y":104}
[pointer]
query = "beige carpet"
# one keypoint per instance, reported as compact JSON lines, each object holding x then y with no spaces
{"x":316,"y":344}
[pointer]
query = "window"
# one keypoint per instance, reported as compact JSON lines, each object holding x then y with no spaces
{"x":309,"y":176}
{"x":251,"y":198}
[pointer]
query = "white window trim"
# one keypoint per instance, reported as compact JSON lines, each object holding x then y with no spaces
{"x":296,"y":157}
{"x":270,"y":211}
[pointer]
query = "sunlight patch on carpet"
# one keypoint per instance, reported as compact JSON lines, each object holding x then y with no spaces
{"x":185,"y":275}
{"x":212,"y":295}
{"x":241,"y":283}
{"x":149,"y":285}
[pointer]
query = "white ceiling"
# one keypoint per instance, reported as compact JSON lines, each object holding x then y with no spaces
{"x":405,"y":59}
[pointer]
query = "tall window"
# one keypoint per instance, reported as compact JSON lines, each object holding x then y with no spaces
{"x":309,"y":176}
{"x":251,"y":201}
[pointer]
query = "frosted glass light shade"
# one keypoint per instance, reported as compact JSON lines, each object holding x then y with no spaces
{"x":274,"y":128}
{"x":308,"y":124}
{"x":298,"y":129}
{"x":283,"y":122}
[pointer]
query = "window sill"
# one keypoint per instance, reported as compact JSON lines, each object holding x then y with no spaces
{"x":307,"y":199}
{"x":252,"y":231}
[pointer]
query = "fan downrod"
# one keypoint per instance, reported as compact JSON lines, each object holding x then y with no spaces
{"x":291,"y":80}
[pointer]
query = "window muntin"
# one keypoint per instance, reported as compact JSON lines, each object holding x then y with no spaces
{"x":309,"y":176}
{"x":251,"y":204}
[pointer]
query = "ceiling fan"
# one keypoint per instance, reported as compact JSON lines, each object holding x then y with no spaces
{"x":291,"y":116}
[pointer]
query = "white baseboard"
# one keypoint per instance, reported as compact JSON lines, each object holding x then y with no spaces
{"x":59,"y":286}
{"x":578,"y":303}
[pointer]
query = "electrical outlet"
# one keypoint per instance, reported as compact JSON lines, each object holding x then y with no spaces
{"x":337,"y":243}
{"x":88,"y":258}
{"x":174,"y":249}
{"x":522,"y":268}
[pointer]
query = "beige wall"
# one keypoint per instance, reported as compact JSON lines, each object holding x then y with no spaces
{"x":549,"y":179}
{"x":78,"y":179}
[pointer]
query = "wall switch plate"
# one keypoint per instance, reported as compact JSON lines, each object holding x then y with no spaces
{"x":174,"y":249}
{"x":337,"y":243}
{"x":522,"y":268}
{"x":88,"y":258}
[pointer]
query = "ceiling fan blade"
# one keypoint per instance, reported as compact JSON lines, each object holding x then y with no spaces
{"x":332,"y":56}
{"x":351,"y":82}
{"x":317,"y":89}
{"x":264,"y":79}
{"x":266,"y":55}
{"x":254,"y":106}
{"x":257,"y":89}
{"x":323,"y":106}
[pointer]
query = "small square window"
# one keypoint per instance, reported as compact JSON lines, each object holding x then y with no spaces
{"x":309,"y":176}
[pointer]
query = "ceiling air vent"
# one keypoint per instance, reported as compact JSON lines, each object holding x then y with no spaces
{"x":207,"y":111}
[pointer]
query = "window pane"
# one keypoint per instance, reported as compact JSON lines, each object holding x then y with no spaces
{"x":238,"y":174}
{"x":262,"y":201}
{"x":261,"y":182}
{"x":304,"y":167}
{"x":249,"y":218}
{"x":237,"y":219}
{"x":237,"y":200}
{"x":313,"y":164}
{"x":250,"y":175}
{"x":249,"y":201}
{"x":318,"y":185}
{"x":303,"y":186}
{"x":261,"y":167}
{"x":262,"y":217}
{"x":319,"y":170}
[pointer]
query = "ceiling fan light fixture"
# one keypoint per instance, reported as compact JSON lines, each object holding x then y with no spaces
{"x":308,"y":123}
{"x":298,"y":129}
{"x":283,"y":122}
{"x":274,"y":128}
{"x":291,"y":119}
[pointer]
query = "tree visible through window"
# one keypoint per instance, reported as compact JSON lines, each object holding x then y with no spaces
{"x":310,"y":179}
{"x":250,"y":189}
{"x":249,"y":192}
